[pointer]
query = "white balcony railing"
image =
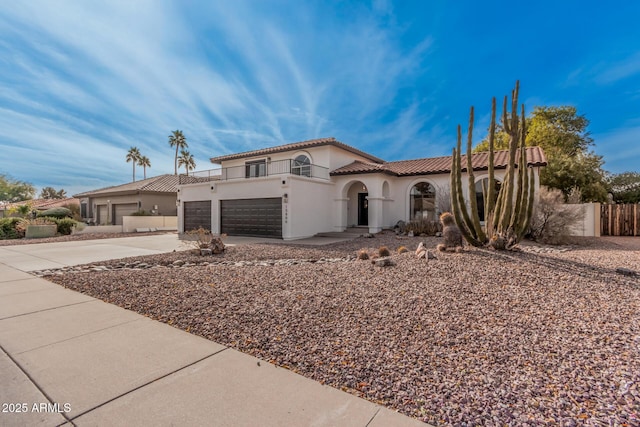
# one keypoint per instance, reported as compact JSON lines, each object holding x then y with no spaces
{"x":256,"y":170}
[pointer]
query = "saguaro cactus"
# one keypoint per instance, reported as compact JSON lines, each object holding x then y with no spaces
{"x":507,"y":217}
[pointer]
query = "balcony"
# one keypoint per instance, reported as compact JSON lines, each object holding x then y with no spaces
{"x":252,"y":170}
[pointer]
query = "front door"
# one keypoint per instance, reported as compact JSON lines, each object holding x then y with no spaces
{"x":363,"y":209}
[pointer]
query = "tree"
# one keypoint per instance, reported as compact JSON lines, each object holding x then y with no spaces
{"x":186,"y":160}
{"x":625,"y":187}
{"x":177,"y":139}
{"x":562,"y":134}
{"x":145,"y":163}
{"x":12,"y":190}
{"x":133,"y":155}
{"x":52,"y":193}
{"x":582,"y":171}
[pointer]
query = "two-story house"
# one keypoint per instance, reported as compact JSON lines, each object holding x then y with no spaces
{"x":301,"y":189}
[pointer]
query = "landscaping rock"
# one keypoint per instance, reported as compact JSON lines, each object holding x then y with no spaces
{"x":383,"y":262}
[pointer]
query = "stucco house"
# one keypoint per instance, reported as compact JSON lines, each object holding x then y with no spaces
{"x":107,"y":206}
{"x":301,"y":189}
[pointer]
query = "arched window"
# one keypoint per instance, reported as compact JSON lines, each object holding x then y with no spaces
{"x":301,"y":166}
{"x":481,"y":190}
{"x":423,"y":202}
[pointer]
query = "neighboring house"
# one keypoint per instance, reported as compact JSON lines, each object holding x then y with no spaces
{"x":39,"y":205}
{"x":156,"y":196}
{"x":298,"y":190}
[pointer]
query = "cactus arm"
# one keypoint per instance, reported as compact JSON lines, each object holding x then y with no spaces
{"x":457,"y":200}
{"x":473,"y":203}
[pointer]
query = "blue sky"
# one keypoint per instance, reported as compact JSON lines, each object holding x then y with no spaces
{"x":82,"y":81}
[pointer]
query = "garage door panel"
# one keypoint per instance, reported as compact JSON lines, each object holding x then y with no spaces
{"x":124,"y":209}
{"x":252,"y":217}
{"x":197,"y":214}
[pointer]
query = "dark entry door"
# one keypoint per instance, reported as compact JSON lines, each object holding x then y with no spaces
{"x":363,"y":209}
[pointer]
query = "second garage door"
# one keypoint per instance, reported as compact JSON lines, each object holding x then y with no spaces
{"x":251,"y":217}
{"x":123,"y":209}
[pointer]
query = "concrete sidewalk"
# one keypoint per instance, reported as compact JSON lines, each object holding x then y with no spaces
{"x":66,"y":358}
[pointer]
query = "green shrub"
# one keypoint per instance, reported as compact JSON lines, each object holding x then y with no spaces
{"x":65,"y":225}
{"x":141,"y":212}
{"x":8,"y":229}
{"x":56,"y":213}
{"x":75,"y":211}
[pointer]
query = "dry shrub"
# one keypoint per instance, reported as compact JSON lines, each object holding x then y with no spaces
{"x":363,"y":254}
{"x":383,"y":251}
{"x":402,"y":250}
{"x":553,"y":219}
{"x":22,"y":225}
{"x":423,"y":226}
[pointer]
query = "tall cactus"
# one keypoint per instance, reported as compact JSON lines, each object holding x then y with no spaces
{"x":507,"y":217}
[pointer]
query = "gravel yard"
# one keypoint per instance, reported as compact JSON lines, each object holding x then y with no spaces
{"x":74,"y":237}
{"x":538,"y":337}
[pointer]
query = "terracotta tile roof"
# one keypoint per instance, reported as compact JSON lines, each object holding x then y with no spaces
{"x":438,"y":165}
{"x":296,"y":146}
{"x":43,"y":204}
{"x":158,"y":184}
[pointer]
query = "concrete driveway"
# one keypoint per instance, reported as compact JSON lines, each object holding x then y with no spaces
{"x":40,"y":256}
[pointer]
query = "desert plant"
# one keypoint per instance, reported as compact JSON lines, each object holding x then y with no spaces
{"x":8,"y":229}
{"x":402,"y":250}
{"x":450,"y":233}
{"x":75,"y":211}
{"x":363,"y":254}
{"x":56,"y":213}
{"x":21,"y":210}
{"x":383,"y":251}
{"x":200,"y":238}
{"x":507,"y":216}
{"x":65,"y":225}
{"x":422,"y":226}
{"x":553,"y":219}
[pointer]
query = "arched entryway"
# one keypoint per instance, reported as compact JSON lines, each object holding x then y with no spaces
{"x":357,"y":204}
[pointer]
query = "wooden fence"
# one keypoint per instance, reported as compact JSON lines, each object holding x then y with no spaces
{"x":620,"y":220}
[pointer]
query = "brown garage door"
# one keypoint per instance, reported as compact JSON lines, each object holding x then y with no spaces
{"x":123,"y":209}
{"x":251,"y":217}
{"x":197,"y":214}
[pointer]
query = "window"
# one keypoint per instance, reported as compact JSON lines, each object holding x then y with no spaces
{"x":481,"y":189}
{"x":255,"y":169}
{"x":423,"y":202}
{"x":301,"y":166}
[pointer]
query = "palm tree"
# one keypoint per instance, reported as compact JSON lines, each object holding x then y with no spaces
{"x":177,"y":139}
{"x":133,"y":155}
{"x":145,"y":163}
{"x":186,"y":160}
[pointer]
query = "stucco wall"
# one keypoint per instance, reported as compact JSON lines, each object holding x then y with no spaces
{"x":130,"y":223}
{"x":306,"y":212}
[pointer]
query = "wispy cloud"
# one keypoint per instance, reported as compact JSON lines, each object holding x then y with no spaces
{"x":84,"y":81}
